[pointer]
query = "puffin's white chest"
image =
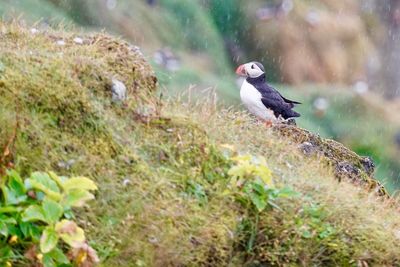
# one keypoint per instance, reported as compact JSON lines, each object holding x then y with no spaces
{"x":251,"y":98}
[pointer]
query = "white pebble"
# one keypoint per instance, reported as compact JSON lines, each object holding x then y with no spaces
{"x":136,"y":49}
{"x":34,"y":30}
{"x":118,"y":90}
{"x":153,"y":240}
{"x":126,"y":182}
{"x":60,"y":42}
{"x":78,"y":40}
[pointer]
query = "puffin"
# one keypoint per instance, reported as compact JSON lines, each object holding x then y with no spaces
{"x":261,"y":99}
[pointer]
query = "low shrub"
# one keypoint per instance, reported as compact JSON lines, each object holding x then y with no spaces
{"x":37,"y":223}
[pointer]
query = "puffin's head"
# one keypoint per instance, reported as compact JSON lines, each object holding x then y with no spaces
{"x":251,"y":70}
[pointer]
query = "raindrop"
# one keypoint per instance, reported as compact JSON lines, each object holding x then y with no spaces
{"x":360,"y":87}
{"x":111,"y":4}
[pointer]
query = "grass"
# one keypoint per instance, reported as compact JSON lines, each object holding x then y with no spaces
{"x":162,"y":166}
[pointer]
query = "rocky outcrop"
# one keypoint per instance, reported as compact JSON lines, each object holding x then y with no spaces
{"x":345,"y":163}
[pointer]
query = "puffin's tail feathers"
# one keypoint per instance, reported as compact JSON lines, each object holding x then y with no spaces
{"x":291,"y":114}
{"x":291,"y":101}
{"x":295,"y":114}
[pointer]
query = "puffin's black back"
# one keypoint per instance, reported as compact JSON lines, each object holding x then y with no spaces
{"x":272,"y":99}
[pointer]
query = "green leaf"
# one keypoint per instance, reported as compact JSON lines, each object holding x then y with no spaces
{"x":15,"y":182}
{"x":34,"y":213}
{"x":57,"y":179}
{"x":258,"y":187}
{"x":287,"y":192}
{"x":14,"y":192}
{"x":42,"y":181}
{"x":256,"y":192}
{"x":258,"y":201}
{"x":14,"y":230}
{"x":58,"y":256}
{"x":12,"y":197}
{"x":79,"y":183}
{"x":265,"y":173}
{"x":14,"y":174}
{"x":329,"y":230}
{"x":45,"y":179}
{"x":68,"y":214}
{"x":35,"y":232}
{"x":25,"y":227}
{"x":3,"y":229}
{"x":10,"y":209}
{"x":9,"y":220}
{"x":70,"y":233}
{"x":52,"y":210}
{"x":6,"y":252}
{"x":307,"y":234}
{"x":48,"y":261}
{"x":237,"y":171}
{"x":49,"y":239}
{"x":77,"y":198}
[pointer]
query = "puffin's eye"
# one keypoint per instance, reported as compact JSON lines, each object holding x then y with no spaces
{"x":252,"y":66}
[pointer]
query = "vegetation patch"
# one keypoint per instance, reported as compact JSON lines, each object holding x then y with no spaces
{"x":37,"y":222}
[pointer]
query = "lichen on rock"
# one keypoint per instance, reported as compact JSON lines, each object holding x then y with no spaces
{"x":345,"y":163}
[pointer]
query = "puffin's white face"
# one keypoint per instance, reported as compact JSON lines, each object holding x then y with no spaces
{"x":251,"y":69}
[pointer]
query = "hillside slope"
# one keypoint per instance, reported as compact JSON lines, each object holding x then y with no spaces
{"x":172,"y":189}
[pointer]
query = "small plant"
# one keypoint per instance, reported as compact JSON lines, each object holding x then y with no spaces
{"x":251,"y":181}
{"x":197,"y":190}
{"x":312,"y":223}
{"x":252,"y":185}
{"x":37,"y":223}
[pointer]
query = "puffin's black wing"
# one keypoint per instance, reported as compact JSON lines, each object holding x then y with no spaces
{"x":280,"y":107}
{"x":273,"y":100}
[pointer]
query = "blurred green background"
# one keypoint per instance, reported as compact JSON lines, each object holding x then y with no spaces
{"x":337,"y":57}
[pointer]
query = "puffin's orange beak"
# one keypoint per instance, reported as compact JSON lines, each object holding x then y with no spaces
{"x":241,"y":71}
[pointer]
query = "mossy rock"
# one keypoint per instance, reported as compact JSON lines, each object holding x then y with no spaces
{"x":346,"y":163}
